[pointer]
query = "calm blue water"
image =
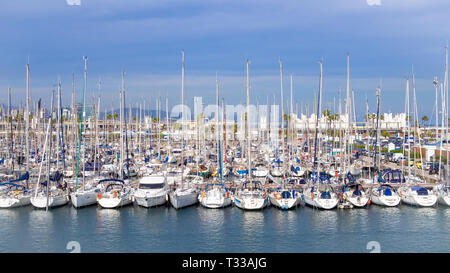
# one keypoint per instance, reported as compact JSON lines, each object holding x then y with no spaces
{"x":196,"y":229}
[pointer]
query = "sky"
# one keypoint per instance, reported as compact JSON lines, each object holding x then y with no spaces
{"x":387,"y":40}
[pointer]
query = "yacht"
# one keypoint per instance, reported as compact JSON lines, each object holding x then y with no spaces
{"x":418,"y":196}
{"x":215,"y":196}
{"x":152,"y":191}
{"x":114,"y":193}
{"x":284,"y":198}
{"x":250,"y":196}
{"x":186,"y":194}
{"x":385,"y":195}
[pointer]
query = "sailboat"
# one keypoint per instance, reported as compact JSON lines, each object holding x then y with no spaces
{"x":354,"y":193}
{"x":443,"y":191}
{"x":320,"y":193}
{"x":16,"y":195}
{"x":47,"y":196}
{"x":250,"y":196}
{"x":216,"y":195}
{"x":284,"y":198}
{"x":185,"y":194}
{"x":385,"y":195}
{"x":410,"y":193}
{"x":115,"y":193}
{"x":418,"y":196}
{"x":85,"y":195}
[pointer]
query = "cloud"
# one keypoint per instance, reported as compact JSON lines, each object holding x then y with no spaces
{"x":374,"y":2}
{"x":73,"y":2}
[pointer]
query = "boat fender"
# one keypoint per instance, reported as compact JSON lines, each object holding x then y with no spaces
{"x":203,"y":194}
{"x":99,"y":196}
{"x":312,"y":195}
{"x":228,"y":194}
{"x":115,"y":194}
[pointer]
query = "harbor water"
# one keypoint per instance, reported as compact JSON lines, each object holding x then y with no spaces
{"x":134,"y":229}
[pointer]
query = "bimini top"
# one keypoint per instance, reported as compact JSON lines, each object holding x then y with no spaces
{"x":420,"y":190}
{"x":393,"y":176}
{"x":111,"y":180}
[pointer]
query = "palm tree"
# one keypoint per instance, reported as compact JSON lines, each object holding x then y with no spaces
{"x":424,"y":119}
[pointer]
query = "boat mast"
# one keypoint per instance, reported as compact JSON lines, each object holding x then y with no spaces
{"x":317,"y":120}
{"x":248,"y":123}
{"x":182,"y":118}
{"x":290,"y":119}
{"x":282,"y":104}
{"x":435,"y":82}
{"x":217,"y":116}
{"x":349,"y":112}
{"x":122,"y":104}
{"x":27,"y":123}
{"x":378,"y":94}
{"x":49,"y":157}
{"x":11,"y":151}
{"x":221,"y":159}
{"x":446,"y":108}
{"x":408,"y":127}
{"x":81,"y":121}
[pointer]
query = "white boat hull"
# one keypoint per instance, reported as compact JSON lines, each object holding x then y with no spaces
{"x":214,"y":199}
{"x":251,"y":203}
{"x":444,"y":199}
{"x":317,"y":202}
{"x":284,"y":203}
{"x":179,"y":201}
{"x":13,"y":202}
{"x":387,"y":201}
{"x":83,"y":198}
{"x":420,"y":201}
{"x":150,"y":201}
{"x":358,"y":201}
{"x":40,"y":202}
{"x":114,"y":202}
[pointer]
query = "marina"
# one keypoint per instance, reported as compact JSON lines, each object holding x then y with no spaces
{"x":151,"y":162}
{"x":114,"y":138}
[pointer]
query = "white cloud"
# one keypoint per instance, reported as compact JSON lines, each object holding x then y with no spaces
{"x":374,"y":2}
{"x":73,"y":2}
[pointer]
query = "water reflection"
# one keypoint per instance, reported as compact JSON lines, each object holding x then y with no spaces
{"x":108,"y":220}
{"x":212,"y":219}
{"x":323,"y":220}
{"x":284,"y":221}
{"x":42,"y":226}
{"x":252,"y":222}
